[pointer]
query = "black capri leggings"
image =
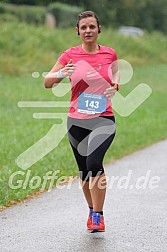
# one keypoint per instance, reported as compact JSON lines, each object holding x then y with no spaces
{"x":90,"y":139}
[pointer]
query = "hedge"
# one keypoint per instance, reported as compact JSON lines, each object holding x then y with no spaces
{"x":28,"y":14}
{"x":66,"y":15}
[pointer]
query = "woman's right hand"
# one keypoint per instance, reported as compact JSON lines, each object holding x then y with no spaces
{"x":68,"y":69}
{"x":58,"y":72}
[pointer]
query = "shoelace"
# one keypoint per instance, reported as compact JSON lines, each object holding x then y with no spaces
{"x":96,"y":219}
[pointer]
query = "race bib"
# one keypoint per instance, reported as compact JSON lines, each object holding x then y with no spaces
{"x":91,"y":103}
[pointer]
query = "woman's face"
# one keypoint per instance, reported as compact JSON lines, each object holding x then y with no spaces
{"x":88,"y":29}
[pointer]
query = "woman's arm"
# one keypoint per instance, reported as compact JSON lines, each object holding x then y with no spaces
{"x":115,"y":84}
{"x":115,"y":76}
{"x":57,"y":73}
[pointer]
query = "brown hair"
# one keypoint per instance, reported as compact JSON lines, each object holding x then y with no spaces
{"x":86,"y":14}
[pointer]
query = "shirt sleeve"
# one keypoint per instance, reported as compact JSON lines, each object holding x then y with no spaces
{"x":64,"y":58}
{"x":115,"y":55}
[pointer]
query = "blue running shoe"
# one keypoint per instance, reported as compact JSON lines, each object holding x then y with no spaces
{"x":97,"y":223}
{"x":89,"y":221}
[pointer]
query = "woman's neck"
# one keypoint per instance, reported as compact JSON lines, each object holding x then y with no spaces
{"x":90,"y":48}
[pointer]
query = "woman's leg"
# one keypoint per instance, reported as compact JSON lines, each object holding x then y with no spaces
{"x":92,"y":176}
{"x":76,"y":135}
{"x":97,"y":187}
{"x":99,"y":141}
{"x":86,"y":191}
{"x":84,"y":175}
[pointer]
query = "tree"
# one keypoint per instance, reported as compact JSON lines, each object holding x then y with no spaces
{"x":148,"y":14}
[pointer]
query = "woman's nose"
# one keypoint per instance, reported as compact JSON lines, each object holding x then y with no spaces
{"x":88,"y":29}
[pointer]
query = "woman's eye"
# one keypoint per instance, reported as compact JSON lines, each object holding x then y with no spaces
{"x":90,"y":27}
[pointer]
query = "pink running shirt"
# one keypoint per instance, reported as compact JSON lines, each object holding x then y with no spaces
{"x":92,"y":75}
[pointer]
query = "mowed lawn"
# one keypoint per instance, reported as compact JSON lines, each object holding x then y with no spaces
{"x":27,"y":48}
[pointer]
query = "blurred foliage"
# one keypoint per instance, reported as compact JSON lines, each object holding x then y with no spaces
{"x":147,"y":14}
{"x":28,"y":14}
{"x":60,"y":11}
{"x":28,"y":48}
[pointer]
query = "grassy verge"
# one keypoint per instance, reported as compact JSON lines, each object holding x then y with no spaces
{"x":19,"y":130}
{"x":24,"y":53}
{"x":26,"y":48}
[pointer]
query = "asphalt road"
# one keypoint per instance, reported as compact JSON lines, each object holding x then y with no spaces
{"x":135,"y":212}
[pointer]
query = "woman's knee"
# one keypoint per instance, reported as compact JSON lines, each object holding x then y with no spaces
{"x":94,"y":166}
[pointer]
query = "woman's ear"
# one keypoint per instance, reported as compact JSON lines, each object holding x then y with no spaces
{"x":77,"y":30}
{"x":99,"y":29}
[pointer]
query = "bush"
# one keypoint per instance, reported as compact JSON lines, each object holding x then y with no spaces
{"x":32,"y":14}
{"x":2,"y":8}
{"x":65,"y":14}
{"x":28,"y":14}
{"x":5,"y":17}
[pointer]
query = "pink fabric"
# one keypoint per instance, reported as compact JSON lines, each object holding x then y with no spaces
{"x":92,"y":75}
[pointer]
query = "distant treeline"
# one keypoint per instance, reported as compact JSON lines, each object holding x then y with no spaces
{"x":147,"y":14}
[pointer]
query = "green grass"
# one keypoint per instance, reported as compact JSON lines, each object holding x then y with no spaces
{"x":26,"y":49}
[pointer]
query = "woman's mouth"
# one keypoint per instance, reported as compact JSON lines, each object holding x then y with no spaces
{"x":88,"y":36}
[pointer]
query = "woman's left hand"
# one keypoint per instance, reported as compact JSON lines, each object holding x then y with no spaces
{"x":110,"y":92}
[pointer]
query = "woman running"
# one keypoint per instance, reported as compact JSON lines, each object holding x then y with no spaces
{"x":94,"y":78}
